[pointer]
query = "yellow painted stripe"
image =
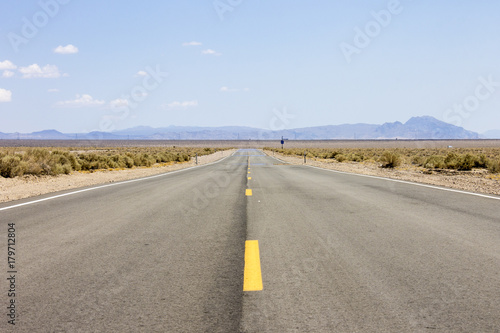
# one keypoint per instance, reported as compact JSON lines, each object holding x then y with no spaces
{"x":248,"y":192}
{"x":252,"y":277}
{"x":248,"y":171}
{"x":249,"y":178}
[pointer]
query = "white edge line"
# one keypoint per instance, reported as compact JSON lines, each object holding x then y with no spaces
{"x":113,"y":184}
{"x":395,"y":180}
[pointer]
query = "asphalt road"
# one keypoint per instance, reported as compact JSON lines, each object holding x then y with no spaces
{"x":338,"y":253}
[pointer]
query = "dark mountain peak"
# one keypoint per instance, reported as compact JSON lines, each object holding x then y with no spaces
{"x":395,"y":124}
{"x":424,"y":121}
{"x":432,"y":128}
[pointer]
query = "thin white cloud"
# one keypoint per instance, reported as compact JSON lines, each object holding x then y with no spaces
{"x":7,"y":74}
{"x":6,"y":64}
{"x":5,"y":95}
{"x":68,"y":49}
{"x":141,"y":73}
{"x":193,"y":43}
{"x":185,"y":104}
{"x":211,"y":52}
{"x":118,"y":103}
{"x":81,"y":101}
{"x":35,"y":71}
{"x":53,"y":90}
{"x":227,"y":89}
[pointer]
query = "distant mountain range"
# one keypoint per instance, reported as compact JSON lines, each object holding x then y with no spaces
{"x":424,"y":127}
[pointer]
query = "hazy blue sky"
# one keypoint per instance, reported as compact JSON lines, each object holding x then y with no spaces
{"x":83,"y":65}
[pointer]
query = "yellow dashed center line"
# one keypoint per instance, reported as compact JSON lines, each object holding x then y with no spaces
{"x":248,"y":192}
{"x":249,"y":178}
{"x":252,"y":275}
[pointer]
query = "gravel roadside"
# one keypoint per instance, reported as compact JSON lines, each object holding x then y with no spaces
{"x":29,"y":186}
{"x":479,"y":181}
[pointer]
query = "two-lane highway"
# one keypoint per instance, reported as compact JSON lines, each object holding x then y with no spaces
{"x":338,"y":253}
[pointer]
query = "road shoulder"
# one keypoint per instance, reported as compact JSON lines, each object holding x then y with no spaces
{"x":471,"y":181}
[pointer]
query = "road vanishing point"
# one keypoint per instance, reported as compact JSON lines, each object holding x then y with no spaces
{"x":252,"y":244}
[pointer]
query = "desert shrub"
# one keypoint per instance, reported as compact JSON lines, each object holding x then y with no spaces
{"x":11,"y":166}
{"x":340,"y":157}
{"x":73,"y":161}
{"x":434,"y":161}
{"x":327,"y":154}
{"x":56,"y":169}
{"x":61,"y":159}
{"x":33,"y":168}
{"x":418,"y":160}
{"x":165,"y":157}
{"x":494,"y":166}
{"x":147,"y":160}
{"x":183,"y":158}
{"x":45,"y":162}
{"x":467,"y":162}
{"x":38,"y":154}
{"x":355,"y":157}
{"x":452,"y":161}
{"x":333,"y":154}
{"x":129,"y":162}
{"x":482,"y":161}
{"x":136,"y":158}
{"x":390,"y":159}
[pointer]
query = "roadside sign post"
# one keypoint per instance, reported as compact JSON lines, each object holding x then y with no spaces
{"x":196,"y":158}
{"x":282,"y":142}
{"x":304,"y":157}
